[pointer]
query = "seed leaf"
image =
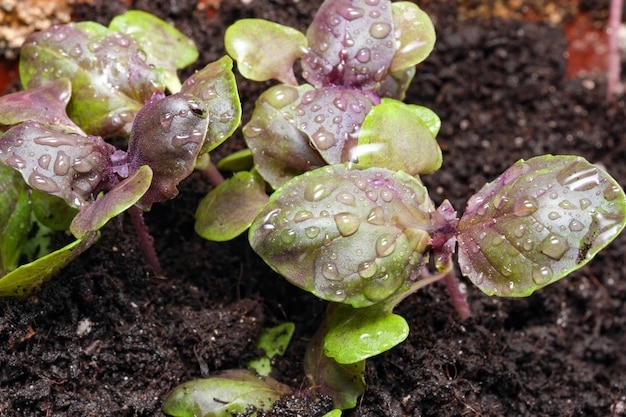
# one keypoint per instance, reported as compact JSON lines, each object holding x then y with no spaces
{"x":224,"y":394}
{"x":357,"y":334}
{"x":415,"y":35}
{"x":346,"y":235}
{"x":229,"y":209}
{"x":395,"y":136}
{"x":537,"y":222}
{"x":264,"y":50}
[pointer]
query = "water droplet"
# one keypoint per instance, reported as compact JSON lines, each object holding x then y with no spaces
{"x":386,"y":195}
{"x":317,"y":191}
{"x":43,"y":183}
{"x":567,"y":205}
{"x":367,"y":269}
{"x":340,"y":103}
{"x":319,"y":118}
{"x":526,"y":206}
{"x":372,"y":2}
{"x":330,"y":272}
{"x":554,"y":195}
{"x":16,"y":162}
{"x":347,"y":223}
{"x":576,"y":226}
{"x":351,"y":13}
{"x":584,"y":203}
{"x":578,"y":180}
{"x":385,"y":245}
{"x":554,"y":246}
{"x":376,"y":216}
{"x":61,"y":163}
{"x":527,"y":244}
{"x":288,"y":236}
{"x":166,"y":121}
{"x":346,"y":198}
{"x":302,"y":215}
{"x":553,"y":215}
{"x":520,"y":230}
{"x":44,"y":161}
{"x":55,"y":141}
{"x":312,"y":232}
{"x":380,"y":30}
{"x":611,"y":192}
{"x":339,"y":296}
{"x":323,"y":139}
{"x":252,"y":131}
{"x":363,"y":56}
{"x":334,"y":21}
{"x":308,"y":97}
{"x":281,"y":96}
{"x":542,"y":275}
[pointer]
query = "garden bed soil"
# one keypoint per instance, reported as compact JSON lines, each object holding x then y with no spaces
{"x":107,"y":337}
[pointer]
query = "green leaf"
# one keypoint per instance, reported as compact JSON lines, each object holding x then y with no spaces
{"x":415,"y":35}
{"x":95,"y":215}
{"x":225,"y":393}
{"x":333,"y":413}
{"x":344,"y":234}
{"x":216,"y":85}
{"x":281,"y":151}
{"x":357,"y":334}
{"x":28,"y":278}
{"x":399,"y":137}
{"x":53,"y":212}
{"x":229,"y":209}
{"x":264,"y":50}
{"x":396,"y":84}
{"x":14,"y":218}
{"x":537,"y":222}
{"x":241,"y":160}
{"x":273,"y":341}
{"x":158,"y":39}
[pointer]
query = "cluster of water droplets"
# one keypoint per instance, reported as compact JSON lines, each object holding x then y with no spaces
{"x":525,"y":237}
{"x":338,"y":227}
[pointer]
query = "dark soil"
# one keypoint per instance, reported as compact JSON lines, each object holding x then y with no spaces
{"x":108,"y":338}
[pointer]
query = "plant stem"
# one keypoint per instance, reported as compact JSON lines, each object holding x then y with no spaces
{"x":614,"y":64}
{"x":457,"y":295}
{"x":213,"y":174}
{"x":146,"y":241}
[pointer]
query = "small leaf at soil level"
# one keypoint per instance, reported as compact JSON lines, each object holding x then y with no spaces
{"x":228,"y":392}
{"x":537,"y":222}
{"x":344,"y":234}
{"x":357,"y":334}
{"x":273,"y":341}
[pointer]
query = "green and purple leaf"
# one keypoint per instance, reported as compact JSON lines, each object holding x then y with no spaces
{"x":264,"y":50}
{"x":216,"y":85}
{"x":398,"y":137}
{"x":66,"y":165}
{"x":222,"y":395}
{"x":281,"y":150}
{"x":331,"y":117}
{"x":229,"y":209}
{"x":540,"y":220}
{"x":346,"y":235}
{"x":110,"y":76}
{"x":350,"y":43}
{"x":167,"y":135}
{"x":415,"y":35}
{"x":158,"y":39}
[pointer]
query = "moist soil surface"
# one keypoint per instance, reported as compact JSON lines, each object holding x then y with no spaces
{"x":107,"y":337}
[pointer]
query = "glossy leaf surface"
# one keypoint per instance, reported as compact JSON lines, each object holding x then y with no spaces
{"x":229,"y":209}
{"x":69,"y":166}
{"x":126,"y":193}
{"x":225,"y":393}
{"x":53,"y":212}
{"x":28,"y":278}
{"x":216,"y":85}
{"x":351,"y":43}
{"x":357,"y":334}
{"x":264,"y":50}
{"x":540,"y":220}
{"x":394,"y":136}
{"x":346,"y":235}
{"x":158,"y":39}
{"x":281,"y":151}
{"x":415,"y":34}
{"x":110,"y":76}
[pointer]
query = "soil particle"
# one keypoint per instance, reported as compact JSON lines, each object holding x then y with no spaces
{"x":107,"y":338}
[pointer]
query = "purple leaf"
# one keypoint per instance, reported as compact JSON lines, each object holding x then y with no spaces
{"x":351,"y":43}
{"x":332,"y":117}
{"x":537,"y":222}
{"x":346,"y":235}
{"x":167,"y":135}
{"x":66,"y":165}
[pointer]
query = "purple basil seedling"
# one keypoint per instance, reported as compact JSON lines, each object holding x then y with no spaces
{"x":85,"y":83}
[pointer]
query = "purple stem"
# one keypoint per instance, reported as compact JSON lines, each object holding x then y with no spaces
{"x":213,"y":174}
{"x":613,"y":65}
{"x":457,"y":295}
{"x":146,"y":241}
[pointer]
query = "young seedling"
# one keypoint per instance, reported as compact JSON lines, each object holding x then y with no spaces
{"x":85,"y":83}
{"x":349,"y":219}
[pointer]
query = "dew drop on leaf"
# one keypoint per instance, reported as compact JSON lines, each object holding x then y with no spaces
{"x":385,"y":245}
{"x":380,"y":30}
{"x":554,"y":246}
{"x":347,"y":223}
